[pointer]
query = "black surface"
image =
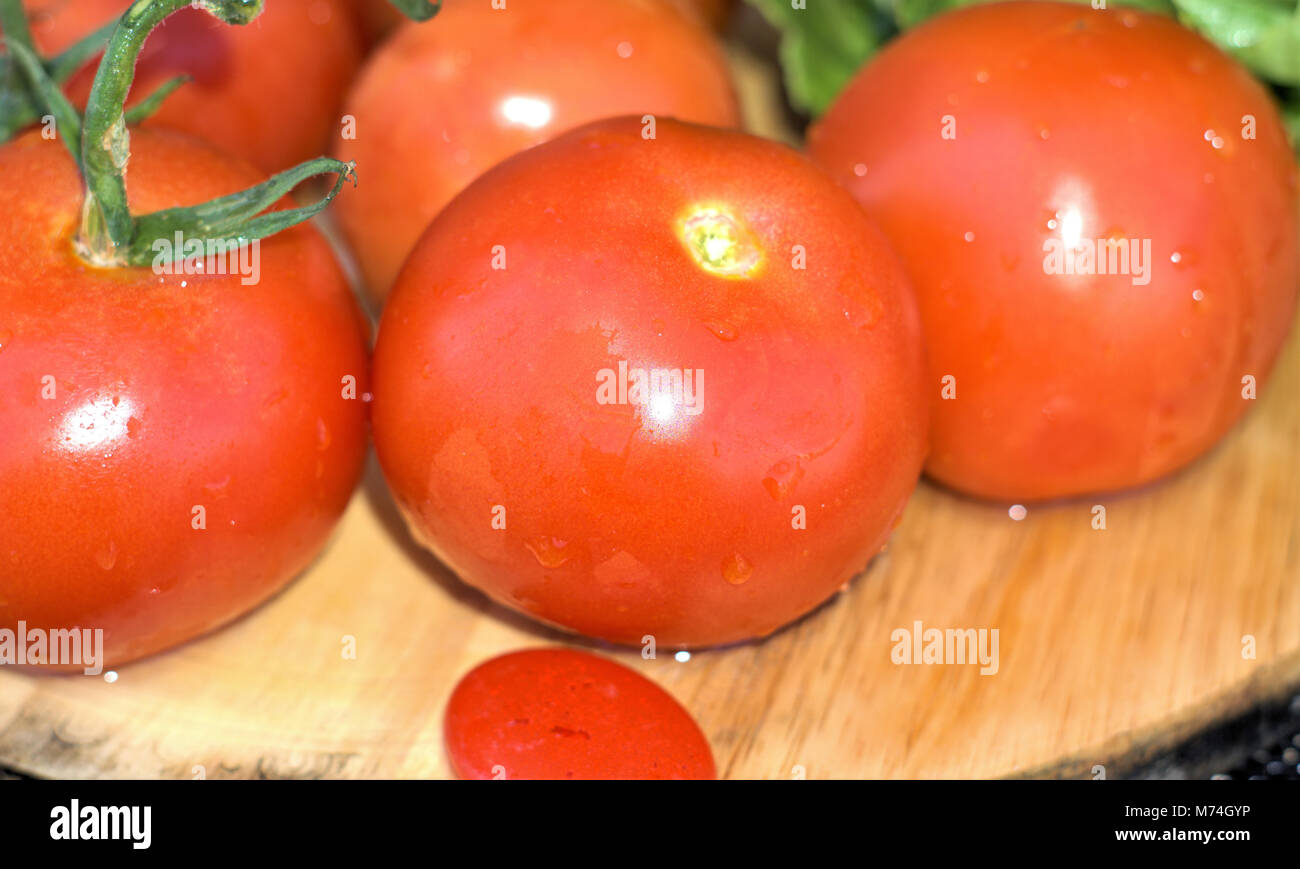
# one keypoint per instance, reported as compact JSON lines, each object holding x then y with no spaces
{"x":1263,"y":744}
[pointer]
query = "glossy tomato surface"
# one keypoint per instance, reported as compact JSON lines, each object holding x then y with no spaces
{"x":717,"y":509}
{"x":175,"y":447}
{"x":564,"y":714}
{"x":268,"y":92}
{"x":989,"y":141}
{"x":442,"y":101}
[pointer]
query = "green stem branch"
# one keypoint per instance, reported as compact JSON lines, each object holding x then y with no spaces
{"x":417,"y":10}
{"x":110,"y":235}
{"x":106,"y":223}
{"x":67,"y":123}
{"x":13,"y":20}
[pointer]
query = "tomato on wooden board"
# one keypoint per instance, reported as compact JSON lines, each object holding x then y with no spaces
{"x":564,"y":714}
{"x":444,"y":100}
{"x":175,"y":447}
{"x":268,"y":92}
{"x":763,"y":473}
{"x":989,"y":141}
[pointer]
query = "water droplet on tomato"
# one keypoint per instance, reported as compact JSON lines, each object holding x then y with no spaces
{"x":782,"y":478}
{"x":275,"y":398}
{"x":1017,"y":512}
{"x":722,"y":331}
{"x":133,"y":427}
{"x":107,"y":557}
{"x":323,"y":438}
{"x":549,"y":551}
{"x":736,"y":569}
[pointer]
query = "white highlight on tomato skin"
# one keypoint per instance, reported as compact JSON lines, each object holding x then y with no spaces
{"x":661,"y":408}
{"x":1071,"y":227}
{"x":529,"y":112}
{"x":96,"y":422}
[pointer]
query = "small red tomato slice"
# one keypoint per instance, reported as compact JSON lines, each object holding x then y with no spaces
{"x":562,"y":714}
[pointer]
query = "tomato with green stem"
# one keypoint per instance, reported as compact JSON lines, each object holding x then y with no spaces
{"x":1098,"y":211}
{"x":658,"y":382}
{"x":268,"y":93}
{"x":440,"y":103}
{"x":181,"y":431}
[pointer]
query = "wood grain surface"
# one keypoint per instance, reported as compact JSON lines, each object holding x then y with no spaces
{"x":1113,"y":643}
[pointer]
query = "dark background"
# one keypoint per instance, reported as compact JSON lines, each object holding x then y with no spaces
{"x":1263,"y":744}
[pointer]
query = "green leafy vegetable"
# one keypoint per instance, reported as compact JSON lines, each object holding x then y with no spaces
{"x":1263,"y":34}
{"x":823,"y":46}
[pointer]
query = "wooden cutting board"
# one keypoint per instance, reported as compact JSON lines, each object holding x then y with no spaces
{"x":1113,"y":644}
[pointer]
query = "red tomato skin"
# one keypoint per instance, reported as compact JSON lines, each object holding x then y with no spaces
{"x":165,"y":397}
{"x":563,"y":714}
{"x":431,"y":104}
{"x":376,"y":19}
{"x":1068,"y":385}
{"x":267,"y":92}
{"x":618,"y":526}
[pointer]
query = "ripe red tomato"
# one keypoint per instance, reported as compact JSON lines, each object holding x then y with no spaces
{"x":444,"y":100}
{"x":130,"y":399}
{"x":509,"y":428}
{"x":564,"y":714}
{"x":268,"y":92}
{"x":988,"y":141}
